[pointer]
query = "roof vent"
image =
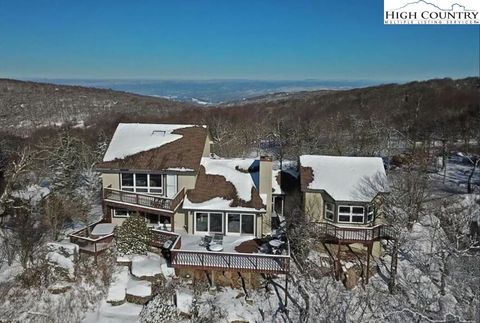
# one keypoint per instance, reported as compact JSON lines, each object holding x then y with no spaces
{"x":161,"y":133}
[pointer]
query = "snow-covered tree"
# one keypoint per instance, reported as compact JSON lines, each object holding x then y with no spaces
{"x":133,"y":236}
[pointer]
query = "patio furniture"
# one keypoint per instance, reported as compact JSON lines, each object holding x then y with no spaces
{"x":205,"y":241}
{"x":215,"y":247}
{"x":218,"y":238}
{"x":275,"y":243}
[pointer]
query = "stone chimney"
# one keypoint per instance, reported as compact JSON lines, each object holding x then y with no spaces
{"x":265,"y":190}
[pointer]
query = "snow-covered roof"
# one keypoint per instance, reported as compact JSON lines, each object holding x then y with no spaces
{"x":235,"y":171}
{"x":218,"y":203}
{"x":343,"y":178}
{"x":133,"y":138}
{"x":226,"y":184}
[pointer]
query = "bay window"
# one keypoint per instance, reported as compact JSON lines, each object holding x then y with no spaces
{"x":329,"y":211}
{"x":351,"y":214}
{"x":370,"y":213}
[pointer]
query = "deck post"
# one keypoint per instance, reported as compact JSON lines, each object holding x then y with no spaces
{"x":369,"y":251}
{"x":286,"y":292}
{"x":337,"y":262}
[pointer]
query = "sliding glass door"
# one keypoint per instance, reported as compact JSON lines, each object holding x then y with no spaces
{"x":239,"y":223}
{"x":208,"y":222}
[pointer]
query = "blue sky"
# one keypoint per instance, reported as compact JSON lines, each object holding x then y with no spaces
{"x":334,"y":40}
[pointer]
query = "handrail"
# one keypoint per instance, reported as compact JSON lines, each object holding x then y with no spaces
{"x":169,"y":204}
{"x":85,"y":227}
{"x":138,"y":193}
{"x":92,"y":239}
{"x":377,"y":232}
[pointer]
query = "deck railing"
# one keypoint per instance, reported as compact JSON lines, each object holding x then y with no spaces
{"x":160,"y":236}
{"x":144,"y":200}
{"x":360,"y":234}
{"x":89,"y":244}
{"x":210,"y":260}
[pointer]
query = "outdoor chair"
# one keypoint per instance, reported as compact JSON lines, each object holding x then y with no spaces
{"x":205,"y":241}
{"x":218,"y":238}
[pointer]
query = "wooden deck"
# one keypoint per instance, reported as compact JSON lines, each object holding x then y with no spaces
{"x":88,"y":244}
{"x":331,"y":233}
{"x":233,"y":261}
{"x":143,"y":202}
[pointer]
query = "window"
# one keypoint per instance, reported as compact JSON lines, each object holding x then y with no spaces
{"x":201,"y":222}
{"x":351,"y":214}
{"x":142,"y":183}
{"x":122,"y":213}
{"x":209,"y":222}
{"x":370,"y":213}
{"x":239,"y":223}
{"x":329,"y":211}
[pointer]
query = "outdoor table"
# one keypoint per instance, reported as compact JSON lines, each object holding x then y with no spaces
{"x":275,"y":243}
{"x":215,"y":247}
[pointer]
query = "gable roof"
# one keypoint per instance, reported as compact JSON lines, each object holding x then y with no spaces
{"x":226,"y":184}
{"x":343,"y":178}
{"x":159,"y":147}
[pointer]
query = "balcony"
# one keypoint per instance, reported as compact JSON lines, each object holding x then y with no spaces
{"x":143,"y":202}
{"x":331,"y":233}
{"x":188,"y":254}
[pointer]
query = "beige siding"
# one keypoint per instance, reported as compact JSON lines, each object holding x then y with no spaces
{"x":313,"y":207}
{"x":186,"y":181}
{"x":111,"y":180}
{"x":259,"y":226}
{"x":208,"y":144}
{"x":265,"y":190}
{"x":179,"y":219}
{"x":118,"y":221}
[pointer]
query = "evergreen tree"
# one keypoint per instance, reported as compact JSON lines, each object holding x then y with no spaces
{"x":133,"y":236}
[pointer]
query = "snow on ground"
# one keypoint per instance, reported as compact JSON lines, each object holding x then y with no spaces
{"x":62,"y":254}
{"x":343,"y":177}
{"x":33,"y":193}
{"x":148,"y":265}
{"x":132,"y":138}
{"x":106,"y":313}
{"x":235,"y":171}
{"x":230,"y":305}
{"x":120,"y":278}
{"x":184,"y":298}
{"x":140,"y":288}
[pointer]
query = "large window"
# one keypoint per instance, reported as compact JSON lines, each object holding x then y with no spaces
{"x":122,"y":213}
{"x":329,"y":211}
{"x":142,"y":183}
{"x":238,"y":223}
{"x":351,"y":214}
{"x":209,"y":222}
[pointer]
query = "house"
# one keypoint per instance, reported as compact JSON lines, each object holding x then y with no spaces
{"x":147,"y":169}
{"x":167,"y":174}
{"x":341,"y":198}
{"x":342,"y":190}
{"x":231,"y":197}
